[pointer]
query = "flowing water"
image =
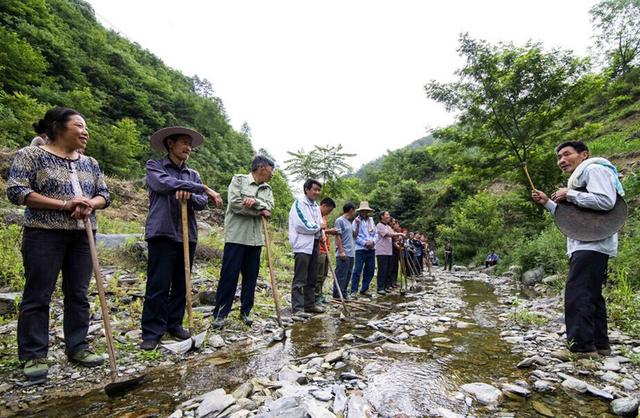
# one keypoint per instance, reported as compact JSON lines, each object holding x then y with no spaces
{"x":414,"y":385}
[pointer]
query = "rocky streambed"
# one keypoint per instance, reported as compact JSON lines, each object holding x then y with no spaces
{"x":456,"y":346}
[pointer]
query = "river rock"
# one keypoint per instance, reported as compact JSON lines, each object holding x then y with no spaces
{"x":248,"y":404}
{"x":445,"y":413}
{"x":402,"y":348}
{"x":543,"y":386}
{"x":484,"y":393}
{"x":213,"y":403}
{"x":216,"y":341}
{"x":243,"y":391}
{"x":542,"y":409}
{"x":577,"y":385}
{"x":625,"y":406}
{"x":517,"y":389}
{"x":289,"y":375}
{"x":530,"y":361}
{"x":334,"y":356}
{"x":358,"y":407}
{"x":599,"y":392}
{"x":8,"y":302}
{"x":315,"y":410}
{"x":533,"y":276}
{"x":323,"y":395}
{"x":440,"y":340}
{"x":611,"y":364}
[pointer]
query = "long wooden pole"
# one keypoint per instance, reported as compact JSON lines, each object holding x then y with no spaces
{"x":187,"y":265}
{"x":103,"y":300}
{"x":335,"y":278}
{"x":267,"y":245}
{"x":526,"y":171}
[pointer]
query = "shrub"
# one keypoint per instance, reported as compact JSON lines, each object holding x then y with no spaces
{"x":11,"y":269}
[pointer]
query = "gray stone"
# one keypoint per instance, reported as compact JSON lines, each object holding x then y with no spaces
{"x":599,"y":392}
{"x":333,"y":356}
{"x":213,"y":403}
{"x":323,"y":395}
{"x":402,"y":348}
{"x":243,"y":413}
{"x":9,"y":302}
{"x":248,"y":404}
{"x":610,"y":377}
{"x":358,"y":407}
{"x":517,"y":389}
{"x":543,"y":386}
{"x":315,"y":362}
{"x":440,"y":340}
{"x":533,"y":276}
{"x":625,"y":406}
{"x":445,"y":413}
{"x":530,"y":361}
{"x":571,"y":383}
{"x":289,"y":375}
{"x":483,"y":393}
{"x":315,"y":410}
{"x":340,"y":399}
{"x":611,"y":364}
{"x":243,"y":391}
{"x":628,"y":384}
{"x":420,"y":332}
{"x":216,"y":341}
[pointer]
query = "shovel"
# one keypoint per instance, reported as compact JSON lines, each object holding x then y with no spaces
{"x":267,"y":245}
{"x":192,"y":343}
{"x":115,"y":387}
{"x":335,"y":280}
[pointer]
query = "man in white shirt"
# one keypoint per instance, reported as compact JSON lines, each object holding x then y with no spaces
{"x":585,"y":309}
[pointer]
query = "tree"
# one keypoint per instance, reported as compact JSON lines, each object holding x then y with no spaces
{"x":617,"y":33}
{"x":325,"y":163}
{"x":510,"y":95}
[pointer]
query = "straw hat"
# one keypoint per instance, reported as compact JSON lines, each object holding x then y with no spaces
{"x":364,"y":206}
{"x":157,"y":139}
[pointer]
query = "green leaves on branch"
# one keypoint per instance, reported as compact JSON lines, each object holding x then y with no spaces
{"x":617,"y":33}
{"x":508,"y":95}
{"x":323,"y":163}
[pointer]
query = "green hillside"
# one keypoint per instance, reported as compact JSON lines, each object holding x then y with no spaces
{"x":54,"y":52}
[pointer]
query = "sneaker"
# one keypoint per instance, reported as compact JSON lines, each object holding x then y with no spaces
{"x":382,"y":292}
{"x":315,"y":309}
{"x":604,"y":351}
{"x":218,"y":323}
{"x":365,"y":294}
{"x":301,"y":314}
{"x":86,"y":358}
{"x":149,"y":345}
{"x":35,"y":369}
{"x":180,"y":334}
{"x":245,"y":318}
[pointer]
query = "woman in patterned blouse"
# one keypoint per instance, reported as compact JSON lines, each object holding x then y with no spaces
{"x":60,"y":188}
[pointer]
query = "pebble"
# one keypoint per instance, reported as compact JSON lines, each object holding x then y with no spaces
{"x":625,"y":406}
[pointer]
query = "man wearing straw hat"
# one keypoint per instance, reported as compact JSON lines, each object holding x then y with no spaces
{"x":366,"y":235}
{"x":249,"y":198}
{"x":170,"y":182}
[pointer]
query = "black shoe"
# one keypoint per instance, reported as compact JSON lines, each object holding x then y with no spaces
{"x":180,"y":334}
{"x":218,"y":323}
{"x":245,"y":318}
{"x":149,"y":344}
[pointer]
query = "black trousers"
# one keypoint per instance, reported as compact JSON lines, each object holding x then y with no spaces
{"x":165,"y":297}
{"x":305,"y":274}
{"x":236,"y":259}
{"x":585,"y":310}
{"x":383,"y":278}
{"x":45,"y":252}
{"x":394,"y":268}
{"x":448,"y":261}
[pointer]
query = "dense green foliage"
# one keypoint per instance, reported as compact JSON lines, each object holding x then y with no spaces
{"x":468,"y":186}
{"x":54,"y":52}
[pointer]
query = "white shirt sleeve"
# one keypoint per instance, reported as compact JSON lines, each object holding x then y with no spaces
{"x":601,"y":190}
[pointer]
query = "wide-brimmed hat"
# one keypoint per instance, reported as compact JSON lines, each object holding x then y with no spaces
{"x":364,"y":206}
{"x":157,"y":139}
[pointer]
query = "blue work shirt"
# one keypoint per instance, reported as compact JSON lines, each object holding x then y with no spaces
{"x":164,"y":219}
{"x":343,"y":226}
{"x":366,"y":232}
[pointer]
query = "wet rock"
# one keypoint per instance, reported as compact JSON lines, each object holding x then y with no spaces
{"x":530,"y":361}
{"x":610,"y":377}
{"x":543,"y":386}
{"x":334,"y":356}
{"x":542,"y":409}
{"x":483,"y":393}
{"x":177,"y":414}
{"x":517,"y":389}
{"x":625,"y":406}
{"x":533,"y":276}
{"x":358,"y":407}
{"x":213,"y":403}
{"x":289,"y":375}
{"x":599,"y":392}
{"x":402,"y":348}
{"x":628,"y":385}
{"x":243,"y":391}
{"x":340,"y":399}
{"x":577,"y":385}
{"x":207,"y":297}
{"x":440,"y":340}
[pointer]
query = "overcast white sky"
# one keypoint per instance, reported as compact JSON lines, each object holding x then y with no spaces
{"x":334,"y":72}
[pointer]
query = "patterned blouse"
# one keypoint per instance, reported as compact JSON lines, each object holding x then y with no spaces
{"x":37,"y":170}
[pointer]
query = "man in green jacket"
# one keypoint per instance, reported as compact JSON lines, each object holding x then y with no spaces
{"x":249,"y":199}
